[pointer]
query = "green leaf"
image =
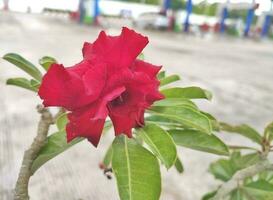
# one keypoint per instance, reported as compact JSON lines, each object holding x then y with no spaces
{"x":56,"y":144}
{"x":268,"y":132}
{"x":163,"y":121}
{"x":169,"y":79}
{"x":161,"y":75}
{"x":24,"y":64}
{"x":215,"y":124}
{"x":108,"y":157}
{"x":34,"y":83}
{"x":243,"y":130}
{"x":21,"y":82}
{"x":199,"y":141}
{"x":62,"y":121}
{"x":46,"y":62}
{"x":107,"y":126}
{"x":259,"y":190}
{"x":237,"y":195}
{"x":160,"y":143}
{"x":175,"y":102}
{"x":209,"y":195}
{"x":178,"y":165}
{"x":187,"y":92}
{"x":243,"y":161}
{"x":141,"y":56}
{"x":136,"y":170}
{"x":222,"y":169}
{"x":185,"y":115}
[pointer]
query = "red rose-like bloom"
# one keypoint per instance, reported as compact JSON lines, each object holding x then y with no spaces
{"x":110,"y":81}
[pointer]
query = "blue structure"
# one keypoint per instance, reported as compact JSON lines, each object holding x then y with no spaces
{"x":96,"y":12}
{"x":82,"y":11}
{"x":266,"y":26}
{"x":187,"y":19}
{"x":166,"y":5}
{"x":224,"y":16}
{"x":249,"y":20}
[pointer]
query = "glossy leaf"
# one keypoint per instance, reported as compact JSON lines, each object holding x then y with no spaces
{"x":108,"y":157}
{"x":169,"y":79}
{"x":141,"y":56}
{"x":187,"y":92}
{"x":160,"y":143}
{"x":238,"y":195}
{"x":209,"y":196}
{"x":161,"y":75}
{"x":243,"y":130}
{"x":24,"y":64}
{"x":21,"y":82}
{"x":224,"y":169}
{"x":268,"y":132}
{"x":56,"y":144}
{"x":34,"y":83}
{"x":175,"y":102}
{"x":178,"y":165}
{"x":215,"y":124}
{"x":163,"y":121}
{"x":243,"y":161}
{"x":62,"y":121}
{"x":199,"y":141}
{"x":136,"y":170}
{"x":186,"y":116}
{"x":46,"y":62}
{"x":259,"y":190}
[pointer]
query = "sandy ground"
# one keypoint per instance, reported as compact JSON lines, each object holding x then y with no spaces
{"x":238,"y":72}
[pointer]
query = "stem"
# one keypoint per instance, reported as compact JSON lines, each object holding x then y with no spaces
{"x":242,"y":147}
{"x":21,"y":188}
{"x":227,"y":187}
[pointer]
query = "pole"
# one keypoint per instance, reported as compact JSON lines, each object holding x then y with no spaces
{"x":188,"y":13}
{"x":81,"y":11}
{"x":166,"y":6}
{"x":224,"y":16}
{"x":249,"y":19}
{"x":266,"y":26}
{"x":96,"y":12}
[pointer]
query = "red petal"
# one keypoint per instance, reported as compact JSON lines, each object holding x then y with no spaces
{"x":59,"y":88}
{"x":88,"y":121}
{"x":123,"y":124}
{"x":147,"y":68}
{"x":72,"y":87}
{"x":118,"y":51}
{"x":94,"y":80}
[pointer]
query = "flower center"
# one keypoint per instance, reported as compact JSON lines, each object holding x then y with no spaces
{"x":120,"y":100}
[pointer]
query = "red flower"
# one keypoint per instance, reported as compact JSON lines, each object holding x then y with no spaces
{"x":110,"y":81}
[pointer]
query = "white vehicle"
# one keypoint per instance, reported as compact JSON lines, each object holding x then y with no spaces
{"x":152,"y":20}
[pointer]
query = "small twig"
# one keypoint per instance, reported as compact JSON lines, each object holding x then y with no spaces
{"x":21,"y":188}
{"x":227,"y":187}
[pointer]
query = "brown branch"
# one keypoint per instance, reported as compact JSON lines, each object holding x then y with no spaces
{"x":21,"y":188}
{"x":253,"y":170}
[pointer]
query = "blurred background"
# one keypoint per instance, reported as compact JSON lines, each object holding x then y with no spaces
{"x":224,"y":46}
